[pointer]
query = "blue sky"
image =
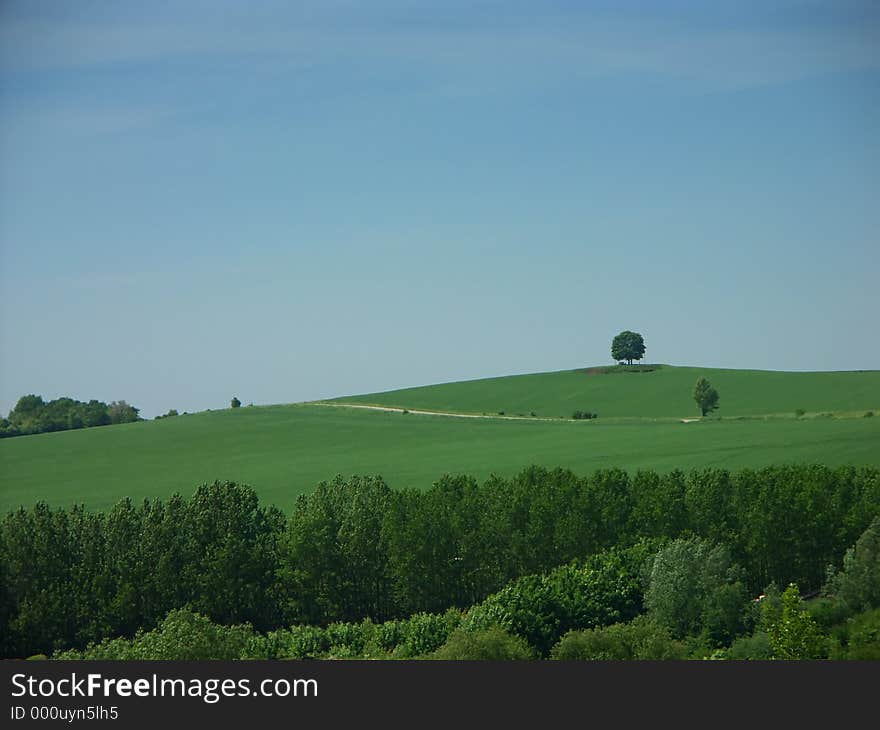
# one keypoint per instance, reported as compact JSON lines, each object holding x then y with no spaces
{"x":288,"y":201}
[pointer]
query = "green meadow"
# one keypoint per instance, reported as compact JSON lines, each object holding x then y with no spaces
{"x":285,"y":450}
{"x":664,"y":392}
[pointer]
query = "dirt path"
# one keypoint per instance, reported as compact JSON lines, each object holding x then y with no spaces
{"x":420,"y":412}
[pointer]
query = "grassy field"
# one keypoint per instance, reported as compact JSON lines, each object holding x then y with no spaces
{"x":665,"y":392}
{"x":285,"y":450}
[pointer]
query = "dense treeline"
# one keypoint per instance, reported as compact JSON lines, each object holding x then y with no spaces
{"x":34,"y":415}
{"x":681,"y":601}
{"x":356,"y":549}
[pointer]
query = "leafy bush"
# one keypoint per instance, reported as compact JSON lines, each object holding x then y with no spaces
{"x":491,"y":644}
{"x":641,"y":638}
{"x":869,"y":414}
{"x":583,"y":415}
{"x":541,"y":608}
{"x":301,"y":642}
{"x":799,"y":412}
{"x":755,"y":647}
{"x":859,"y":637}
{"x":828,"y":612}
{"x":182,"y":635}
{"x":426,"y":632}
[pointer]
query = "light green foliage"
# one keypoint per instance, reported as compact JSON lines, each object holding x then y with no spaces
{"x":425,"y":632}
{"x":490,"y":644}
{"x":693,"y":587}
{"x":641,"y":638}
{"x":182,"y":635}
{"x":791,"y":631}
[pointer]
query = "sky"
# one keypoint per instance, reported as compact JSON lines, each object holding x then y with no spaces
{"x":299,"y":200}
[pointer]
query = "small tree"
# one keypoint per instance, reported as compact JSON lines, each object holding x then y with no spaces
{"x":121,"y":412}
{"x":792,"y":631}
{"x":706,"y":396}
{"x":235,"y":403}
{"x":628,"y":346}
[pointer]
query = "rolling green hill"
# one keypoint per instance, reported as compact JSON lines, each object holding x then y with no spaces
{"x":664,"y":392}
{"x":284,"y":451}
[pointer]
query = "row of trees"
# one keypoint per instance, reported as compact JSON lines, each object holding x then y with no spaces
{"x":34,"y":415}
{"x":356,"y":548}
{"x":659,"y":599}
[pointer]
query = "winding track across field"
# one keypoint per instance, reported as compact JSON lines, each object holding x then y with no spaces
{"x":392,"y":409}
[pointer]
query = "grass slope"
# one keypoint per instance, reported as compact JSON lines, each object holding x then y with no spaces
{"x":666,"y":392}
{"x":284,"y":451}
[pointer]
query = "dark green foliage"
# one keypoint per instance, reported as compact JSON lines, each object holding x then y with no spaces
{"x":754,"y":647}
{"x":799,"y":412}
{"x":828,"y":612}
{"x":235,"y":403}
{"x":355,"y":549}
{"x":171,"y":413}
{"x":33,"y":415}
{"x":583,"y":415}
{"x":642,"y":638}
{"x":628,"y":346}
{"x":75,"y":577}
{"x":858,"y":584}
{"x":705,"y":396}
{"x":493,"y":643}
{"x":694,"y":588}
{"x":541,"y":608}
{"x":858,"y":637}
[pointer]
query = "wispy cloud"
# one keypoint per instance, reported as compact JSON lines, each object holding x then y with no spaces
{"x":579,"y":44}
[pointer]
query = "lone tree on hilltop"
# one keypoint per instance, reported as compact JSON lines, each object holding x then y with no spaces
{"x":235,"y":403}
{"x":706,"y":396}
{"x":628,"y":346}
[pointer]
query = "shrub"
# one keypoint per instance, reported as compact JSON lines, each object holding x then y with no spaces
{"x":301,"y":642}
{"x":828,"y":612}
{"x":799,"y":412}
{"x":542,"y":608}
{"x":183,"y":635}
{"x":491,"y":644}
{"x":859,"y":638}
{"x":641,"y":638}
{"x":583,"y":415}
{"x":235,"y":403}
{"x":869,"y":414}
{"x":500,"y":413}
{"x":755,"y":647}
{"x":427,"y":632}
